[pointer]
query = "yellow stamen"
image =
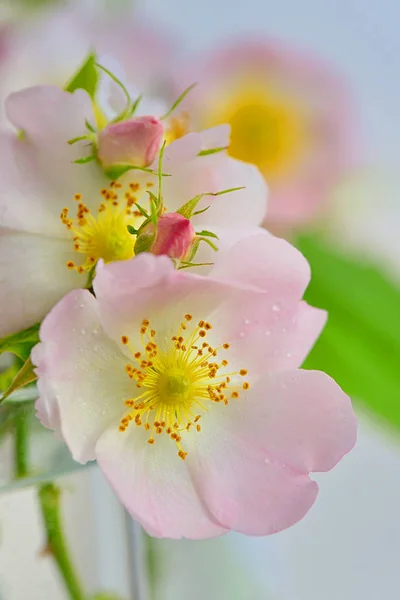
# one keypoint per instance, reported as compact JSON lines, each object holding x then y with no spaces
{"x":177,"y":381}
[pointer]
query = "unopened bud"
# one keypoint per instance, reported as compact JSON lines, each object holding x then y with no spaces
{"x":174,"y":237}
{"x":133,"y":142}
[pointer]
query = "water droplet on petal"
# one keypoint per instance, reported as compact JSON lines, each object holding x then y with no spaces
{"x":284,"y":330}
{"x":247,"y":321}
{"x":83,"y":331}
{"x":289,"y":355}
{"x":242,"y":334}
{"x":267,"y":332}
{"x":276,"y":307}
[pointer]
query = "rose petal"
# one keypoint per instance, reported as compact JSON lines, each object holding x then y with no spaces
{"x":154,"y":484}
{"x":86,"y":371}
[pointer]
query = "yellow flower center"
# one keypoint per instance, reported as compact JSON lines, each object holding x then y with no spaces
{"x":178,"y":383}
{"x":106,"y":234}
{"x":177,"y":127}
{"x":267,"y":128}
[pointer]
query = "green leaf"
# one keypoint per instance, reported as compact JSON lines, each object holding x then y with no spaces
{"x":212,"y":151}
{"x":178,"y":101}
{"x":206,"y":233}
{"x":21,"y":343}
{"x":24,"y":377}
{"x":360,"y":345}
{"x":86,"y":78}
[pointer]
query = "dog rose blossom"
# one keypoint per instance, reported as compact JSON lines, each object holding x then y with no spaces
{"x":290,"y":115}
{"x":187,"y":391}
{"x":58,"y":218}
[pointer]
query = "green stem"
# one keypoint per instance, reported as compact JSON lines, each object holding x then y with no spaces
{"x":21,"y":442}
{"x":49,"y":498}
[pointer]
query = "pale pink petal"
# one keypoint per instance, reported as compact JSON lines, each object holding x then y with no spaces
{"x":154,"y":484}
{"x":216,"y":137}
{"x":86,"y":372}
{"x":48,"y":114}
{"x":268,"y":263}
{"x":299,"y":417}
{"x":24,"y":198}
{"x":33,"y":277}
{"x":242,"y":489}
{"x":181,"y":150}
{"x":216,"y":173}
{"x":149,"y":287}
{"x":46,"y":404}
{"x":263,"y":339}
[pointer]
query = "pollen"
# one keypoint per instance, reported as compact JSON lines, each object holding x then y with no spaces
{"x":177,"y":382}
{"x":103,"y":232}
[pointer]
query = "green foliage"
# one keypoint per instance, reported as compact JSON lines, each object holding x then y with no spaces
{"x":21,"y":343}
{"x":86,"y":78}
{"x":360,"y":345}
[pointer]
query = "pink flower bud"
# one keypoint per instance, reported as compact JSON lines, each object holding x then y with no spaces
{"x":134,"y":142}
{"x":174,"y":238}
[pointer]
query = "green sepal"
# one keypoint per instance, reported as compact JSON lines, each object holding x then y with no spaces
{"x":132,"y":230}
{"x":116,"y":171}
{"x":144,"y":242}
{"x":188,"y":208}
{"x":360,"y":345}
{"x":86,"y":78}
{"x":178,"y":101}
{"x":24,"y":377}
{"x":212,"y":151}
{"x":84,"y":160}
{"x":206,"y":233}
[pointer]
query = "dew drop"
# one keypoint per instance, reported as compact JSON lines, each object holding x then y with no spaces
{"x":83,"y":331}
{"x":284,"y":330}
{"x":276,"y":307}
{"x":242,"y":334}
{"x":247,"y":321}
{"x":81,"y":306}
{"x":289,"y":355}
{"x":267,"y":332}
{"x":96,"y":348}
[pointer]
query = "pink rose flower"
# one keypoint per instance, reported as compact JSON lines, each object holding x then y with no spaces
{"x":57,"y":218}
{"x":290,"y":115}
{"x":186,"y":390}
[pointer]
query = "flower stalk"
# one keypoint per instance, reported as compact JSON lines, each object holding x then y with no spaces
{"x":50,"y":506}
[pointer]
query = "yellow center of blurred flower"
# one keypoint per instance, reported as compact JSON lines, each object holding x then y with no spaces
{"x":178,"y":382}
{"x":106,"y":234}
{"x":177,"y":127}
{"x":267,"y":128}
